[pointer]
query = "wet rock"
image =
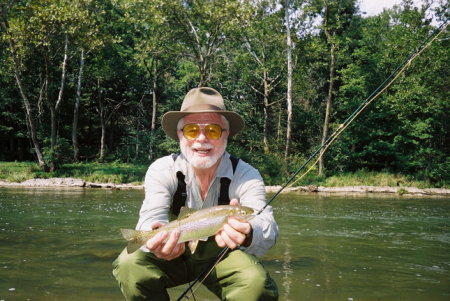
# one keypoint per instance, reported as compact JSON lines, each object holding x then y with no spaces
{"x":67,"y":182}
{"x":411,"y":191}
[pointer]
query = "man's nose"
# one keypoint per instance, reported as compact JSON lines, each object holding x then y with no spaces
{"x":202,"y":135}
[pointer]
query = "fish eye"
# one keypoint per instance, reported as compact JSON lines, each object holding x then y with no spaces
{"x":242,"y":213}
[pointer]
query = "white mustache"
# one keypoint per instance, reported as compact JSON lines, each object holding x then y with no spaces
{"x":198,"y":145}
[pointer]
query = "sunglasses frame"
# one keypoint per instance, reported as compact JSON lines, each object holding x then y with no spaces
{"x":202,"y":127}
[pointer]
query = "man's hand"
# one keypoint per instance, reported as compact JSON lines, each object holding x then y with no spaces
{"x":233,"y":233}
{"x":168,"y":250}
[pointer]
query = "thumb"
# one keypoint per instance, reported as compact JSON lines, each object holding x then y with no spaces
{"x":234,"y":202}
{"x":155,"y":225}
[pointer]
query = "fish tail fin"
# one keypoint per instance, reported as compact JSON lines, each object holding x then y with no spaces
{"x":129,"y":234}
{"x":134,"y":239}
{"x":133,"y":246}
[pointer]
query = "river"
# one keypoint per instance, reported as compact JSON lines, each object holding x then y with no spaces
{"x":58,"y":244}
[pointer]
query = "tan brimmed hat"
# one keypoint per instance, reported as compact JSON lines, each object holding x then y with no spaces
{"x":201,"y":100}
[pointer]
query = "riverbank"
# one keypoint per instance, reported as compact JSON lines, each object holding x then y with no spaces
{"x":73,"y":182}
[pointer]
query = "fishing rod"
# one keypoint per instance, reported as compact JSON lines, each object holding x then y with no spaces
{"x":333,"y":136}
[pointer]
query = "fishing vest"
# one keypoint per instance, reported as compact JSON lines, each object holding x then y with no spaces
{"x":180,"y":196}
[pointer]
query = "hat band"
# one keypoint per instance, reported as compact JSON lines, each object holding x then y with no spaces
{"x":203,"y":107}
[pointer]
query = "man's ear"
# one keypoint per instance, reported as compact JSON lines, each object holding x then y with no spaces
{"x":180,"y":135}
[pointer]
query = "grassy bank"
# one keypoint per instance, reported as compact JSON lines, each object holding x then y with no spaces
{"x":366,"y":178}
{"x":121,"y":173}
{"x":118,"y":173}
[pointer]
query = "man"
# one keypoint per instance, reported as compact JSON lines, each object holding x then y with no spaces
{"x":203,"y":175}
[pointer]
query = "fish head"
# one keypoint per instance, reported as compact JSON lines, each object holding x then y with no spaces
{"x":243,"y":213}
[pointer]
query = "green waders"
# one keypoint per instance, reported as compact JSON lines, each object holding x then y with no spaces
{"x":239,"y":276}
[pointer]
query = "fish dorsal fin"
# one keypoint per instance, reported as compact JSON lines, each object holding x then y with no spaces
{"x":185,"y":212}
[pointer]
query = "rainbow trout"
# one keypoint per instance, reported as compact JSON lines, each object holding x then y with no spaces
{"x":193,"y":225}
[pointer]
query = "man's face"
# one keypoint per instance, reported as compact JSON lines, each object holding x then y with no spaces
{"x":203,"y":152}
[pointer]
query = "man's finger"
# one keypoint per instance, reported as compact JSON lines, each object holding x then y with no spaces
{"x":219,"y":240}
{"x":177,"y":251}
{"x":240,"y":227}
{"x":231,"y":237}
{"x":156,"y":241}
{"x":155,"y":225}
{"x":171,"y":243}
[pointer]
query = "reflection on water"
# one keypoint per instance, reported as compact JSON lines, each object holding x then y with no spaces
{"x":59,"y":245}
{"x":361,"y":248}
{"x":287,"y":271}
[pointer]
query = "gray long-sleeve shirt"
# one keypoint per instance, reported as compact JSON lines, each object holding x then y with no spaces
{"x":246,"y":186}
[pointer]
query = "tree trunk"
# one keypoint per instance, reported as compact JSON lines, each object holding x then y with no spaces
{"x":112,"y":126}
{"x":53,"y":145}
{"x":54,"y":110}
{"x":33,"y":130}
{"x":279,"y":133}
{"x":60,"y":94}
{"x":20,"y":148}
{"x":289,"y":87}
{"x":202,"y":82}
{"x":76,"y":148}
{"x":102,"y":121}
{"x":266,"y":112}
{"x":154,"y":109}
{"x":328,"y":109}
{"x":138,"y":125}
{"x":330,"y":90}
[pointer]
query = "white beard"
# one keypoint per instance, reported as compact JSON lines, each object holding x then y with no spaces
{"x":202,"y":162}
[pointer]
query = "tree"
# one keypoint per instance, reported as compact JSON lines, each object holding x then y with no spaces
{"x":264,"y":64}
{"x":12,"y":38}
{"x":200,"y":28}
{"x":89,"y":36}
{"x":153,"y":46}
{"x":289,"y":86}
{"x":336,"y":19}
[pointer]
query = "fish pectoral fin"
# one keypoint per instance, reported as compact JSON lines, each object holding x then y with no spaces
{"x":193,"y":245}
{"x":185,"y":212}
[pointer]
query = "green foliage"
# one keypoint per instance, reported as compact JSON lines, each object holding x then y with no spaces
{"x":402,"y":191}
{"x":61,"y":153}
{"x":117,"y":173}
{"x":135,"y":50}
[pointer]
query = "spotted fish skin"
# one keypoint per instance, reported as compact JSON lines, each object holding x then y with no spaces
{"x":192,"y":224}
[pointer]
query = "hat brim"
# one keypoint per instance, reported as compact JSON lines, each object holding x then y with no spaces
{"x":170,"y":120}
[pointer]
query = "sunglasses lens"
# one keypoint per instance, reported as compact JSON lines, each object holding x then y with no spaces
{"x":213,"y":131}
{"x":191,"y":131}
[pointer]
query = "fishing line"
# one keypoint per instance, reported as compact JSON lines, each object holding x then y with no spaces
{"x":363,"y":105}
{"x":333,"y":136}
{"x":343,"y":126}
{"x":209,"y":272}
{"x":209,"y":268}
{"x":187,"y":275}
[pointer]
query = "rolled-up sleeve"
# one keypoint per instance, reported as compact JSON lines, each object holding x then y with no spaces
{"x":250,"y":191}
{"x":160,"y":185}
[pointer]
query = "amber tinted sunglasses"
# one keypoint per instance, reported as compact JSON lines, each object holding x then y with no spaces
{"x":212,"y":131}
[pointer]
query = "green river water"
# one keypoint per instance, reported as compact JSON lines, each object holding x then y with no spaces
{"x":58,"y":244}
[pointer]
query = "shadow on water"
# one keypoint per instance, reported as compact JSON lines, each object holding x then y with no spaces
{"x":60,"y":244}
